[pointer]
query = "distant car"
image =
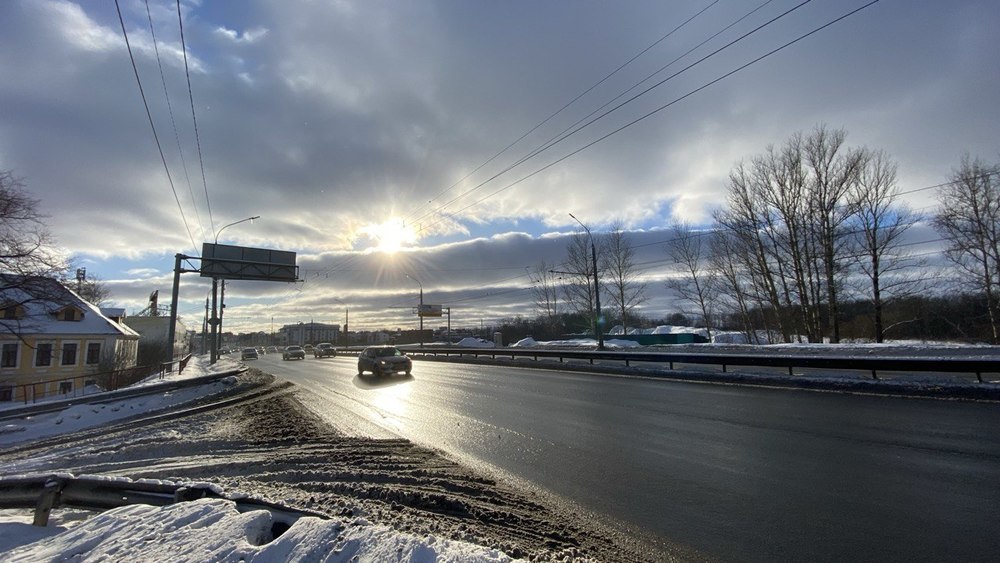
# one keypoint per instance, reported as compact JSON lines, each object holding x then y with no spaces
{"x":248,"y":354}
{"x":308,"y":347}
{"x":324,"y":350}
{"x":293,"y":353}
{"x":272,"y":349}
{"x":382,"y":360}
{"x":261,"y":351}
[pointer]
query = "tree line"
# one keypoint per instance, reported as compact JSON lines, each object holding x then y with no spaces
{"x":809,"y":245}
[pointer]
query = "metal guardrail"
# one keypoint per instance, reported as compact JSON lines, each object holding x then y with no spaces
{"x":871,"y":364}
{"x":110,"y":396}
{"x":47,"y":492}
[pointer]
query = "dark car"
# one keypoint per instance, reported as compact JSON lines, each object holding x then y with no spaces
{"x":382,"y":360}
{"x":324,"y":350}
{"x":293,"y":353}
{"x":248,"y":354}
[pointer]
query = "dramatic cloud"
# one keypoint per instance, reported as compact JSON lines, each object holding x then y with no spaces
{"x":328,"y":119}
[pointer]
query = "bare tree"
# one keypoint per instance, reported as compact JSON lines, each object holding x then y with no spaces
{"x":578,"y":275}
{"x":698,"y":282}
{"x":879,"y":223}
{"x":624,"y":287}
{"x":834,"y":170}
{"x":93,"y":290}
{"x":969,"y":219}
{"x":26,"y":246}
{"x":29,"y":259}
{"x":545,"y":288}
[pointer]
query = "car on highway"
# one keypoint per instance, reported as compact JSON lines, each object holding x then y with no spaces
{"x":383,"y":360}
{"x":293,"y":353}
{"x":324,"y":350}
{"x":248,"y":354}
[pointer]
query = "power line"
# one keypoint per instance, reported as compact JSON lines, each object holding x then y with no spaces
{"x":667,"y":105}
{"x":173,"y":123}
{"x":149,"y":116}
{"x":194,"y":117}
{"x":567,"y":105}
{"x":565,"y":136}
{"x":562,"y":135}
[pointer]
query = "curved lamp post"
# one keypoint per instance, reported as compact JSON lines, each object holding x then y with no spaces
{"x":217,"y":314}
{"x":597,"y":288}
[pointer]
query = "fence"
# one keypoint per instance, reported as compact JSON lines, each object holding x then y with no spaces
{"x":81,"y":385}
{"x":869,"y":364}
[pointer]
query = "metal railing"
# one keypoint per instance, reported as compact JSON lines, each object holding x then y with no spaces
{"x":86,"y":384}
{"x":869,"y":364}
{"x":47,"y":492}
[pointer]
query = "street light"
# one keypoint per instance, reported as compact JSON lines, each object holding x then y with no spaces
{"x":216,"y":310}
{"x":224,"y":227}
{"x":420,"y":309}
{"x":597,"y":287}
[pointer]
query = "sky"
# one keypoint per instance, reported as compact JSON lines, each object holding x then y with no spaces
{"x":392,"y":145}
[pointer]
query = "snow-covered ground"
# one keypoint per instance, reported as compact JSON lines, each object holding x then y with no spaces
{"x":213,"y":529}
{"x":202,"y":530}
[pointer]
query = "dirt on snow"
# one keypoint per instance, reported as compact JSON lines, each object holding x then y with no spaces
{"x":274,"y":448}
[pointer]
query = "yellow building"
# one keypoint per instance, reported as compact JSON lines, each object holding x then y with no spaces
{"x":52,"y":342}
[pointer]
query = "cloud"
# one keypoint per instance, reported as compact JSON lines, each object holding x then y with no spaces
{"x":329,"y":118}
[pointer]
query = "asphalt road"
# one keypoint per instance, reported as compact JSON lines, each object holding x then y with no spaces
{"x":732,"y":472}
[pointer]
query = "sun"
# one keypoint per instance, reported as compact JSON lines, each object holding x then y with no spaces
{"x":390,"y":236}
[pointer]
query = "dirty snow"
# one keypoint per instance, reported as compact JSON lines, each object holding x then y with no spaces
{"x":214,"y":530}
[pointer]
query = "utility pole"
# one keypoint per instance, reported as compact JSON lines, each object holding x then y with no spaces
{"x":597,"y":288}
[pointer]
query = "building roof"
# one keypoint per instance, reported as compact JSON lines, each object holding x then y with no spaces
{"x":41,"y":300}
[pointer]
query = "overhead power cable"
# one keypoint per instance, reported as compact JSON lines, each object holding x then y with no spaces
{"x":565,"y":136}
{"x":149,"y":116}
{"x":567,"y":105}
{"x":667,"y":105}
{"x":173,"y":123}
{"x":562,"y":134}
{"x":194,"y":116}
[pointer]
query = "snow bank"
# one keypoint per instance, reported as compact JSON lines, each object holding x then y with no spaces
{"x":475,"y":343}
{"x":528,"y":342}
{"x":214,"y":530}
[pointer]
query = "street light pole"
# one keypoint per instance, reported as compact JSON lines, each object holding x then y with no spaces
{"x":216,"y":321}
{"x":420,"y":309}
{"x":597,"y":287}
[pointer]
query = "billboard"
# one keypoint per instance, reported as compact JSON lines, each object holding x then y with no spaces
{"x":429,"y":310}
{"x":229,"y":262}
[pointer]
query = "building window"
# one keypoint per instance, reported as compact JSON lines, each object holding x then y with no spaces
{"x":69,"y":353}
{"x":10,"y":312}
{"x":43,"y":355}
{"x":93,"y":353}
{"x":65,"y":387}
{"x":9,"y":356}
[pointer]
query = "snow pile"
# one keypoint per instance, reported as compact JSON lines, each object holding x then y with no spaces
{"x":475,"y":343}
{"x":613,"y":343}
{"x":574,"y":343}
{"x":82,"y":416}
{"x":729,"y":338}
{"x":214,"y":530}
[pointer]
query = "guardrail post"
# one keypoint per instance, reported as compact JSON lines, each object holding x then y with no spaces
{"x":790,"y":371}
{"x":46,"y":500}
{"x":979,"y":376}
{"x":874,"y":375}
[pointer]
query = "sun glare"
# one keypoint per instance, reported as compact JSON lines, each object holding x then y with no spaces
{"x":390,"y":236}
